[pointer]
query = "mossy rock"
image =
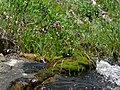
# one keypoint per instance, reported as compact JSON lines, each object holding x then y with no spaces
{"x":63,"y":66}
{"x":29,"y":56}
{"x":17,"y":86}
{"x":74,"y":64}
{"x":66,"y":66}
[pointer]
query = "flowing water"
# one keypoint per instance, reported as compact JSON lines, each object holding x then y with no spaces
{"x":105,"y":77}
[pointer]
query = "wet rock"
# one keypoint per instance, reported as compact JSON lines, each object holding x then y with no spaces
{"x":32,"y":67}
{"x":69,"y":66}
{"x":13,"y":69}
{"x":17,"y":86}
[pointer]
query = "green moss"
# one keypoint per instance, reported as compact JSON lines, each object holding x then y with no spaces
{"x":73,"y":64}
{"x":64,"y":66}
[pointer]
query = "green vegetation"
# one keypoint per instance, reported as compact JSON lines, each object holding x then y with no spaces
{"x":69,"y":66}
{"x":67,"y":28}
{"x":54,"y":28}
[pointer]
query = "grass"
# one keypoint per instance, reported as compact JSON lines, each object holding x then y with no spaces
{"x":53,"y":28}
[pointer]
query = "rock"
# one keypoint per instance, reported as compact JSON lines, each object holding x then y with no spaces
{"x":32,"y":67}
{"x":17,"y":86}
{"x":2,"y":58}
{"x":12,"y":69}
{"x":1,"y":46}
{"x":5,"y":46}
{"x":69,"y":66}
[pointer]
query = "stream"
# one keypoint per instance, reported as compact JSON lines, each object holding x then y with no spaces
{"x":105,"y":77}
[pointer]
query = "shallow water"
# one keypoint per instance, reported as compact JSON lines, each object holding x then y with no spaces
{"x":105,"y":77}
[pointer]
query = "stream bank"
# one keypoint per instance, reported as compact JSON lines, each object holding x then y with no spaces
{"x":105,"y":77}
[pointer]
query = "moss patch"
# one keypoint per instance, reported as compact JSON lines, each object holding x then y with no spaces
{"x":73,"y":64}
{"x":63,"y":66}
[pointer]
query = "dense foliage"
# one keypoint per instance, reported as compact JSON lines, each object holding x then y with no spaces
{"x":61,"y":27}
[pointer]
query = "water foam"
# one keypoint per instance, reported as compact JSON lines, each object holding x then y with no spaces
{"x":110,"y":72}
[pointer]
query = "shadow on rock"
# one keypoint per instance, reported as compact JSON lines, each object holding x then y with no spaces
{"x":32,"y":67}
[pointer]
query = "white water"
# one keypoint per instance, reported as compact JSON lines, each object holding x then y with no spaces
{"x":110,"y":72}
